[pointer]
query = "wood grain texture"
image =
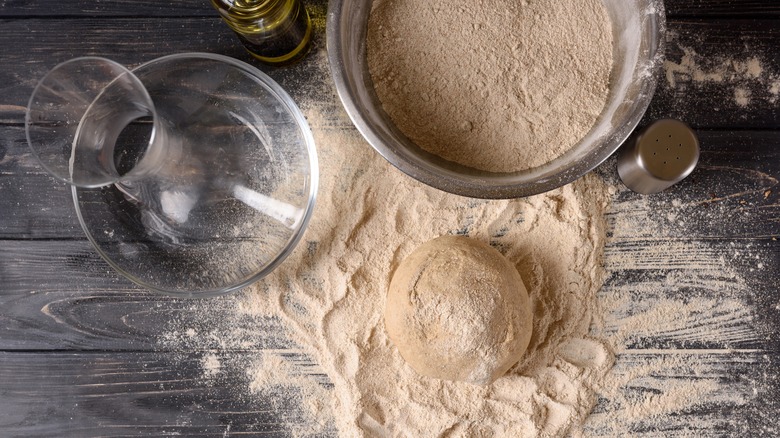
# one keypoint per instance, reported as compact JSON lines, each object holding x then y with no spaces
{"x":60,"y":295}
{"x":139,"y":394}
{"x":744,"y":404}
{"x":734,"y":192}
{"x":722,"y":8}
{"x":716,"y":45}
{"x":185,"y":8}
{"x":115,"y":8}
{"x":33,"y":46}
{"x":32,"y":52}
{"x":84,"y":352}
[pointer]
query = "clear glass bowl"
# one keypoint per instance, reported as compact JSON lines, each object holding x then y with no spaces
{"x":638,"y":27}
{"x":211,"y":174}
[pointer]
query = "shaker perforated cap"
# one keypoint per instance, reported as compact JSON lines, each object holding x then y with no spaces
{"x":662,"y":155}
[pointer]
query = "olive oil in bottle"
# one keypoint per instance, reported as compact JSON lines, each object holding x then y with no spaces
{"x":276,"y":32}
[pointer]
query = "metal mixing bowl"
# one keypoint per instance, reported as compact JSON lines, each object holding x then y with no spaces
{"x":638,"y":28}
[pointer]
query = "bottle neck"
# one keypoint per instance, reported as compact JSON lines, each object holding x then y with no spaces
{"x":243,"y":13}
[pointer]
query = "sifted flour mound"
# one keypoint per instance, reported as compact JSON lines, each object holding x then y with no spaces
{"x":370,"y":217}
{"x":498,"y":85}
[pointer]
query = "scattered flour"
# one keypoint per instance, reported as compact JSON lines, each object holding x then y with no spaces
{"x":727,"y":70}
{"x":635,"y":358}
{"x":211,"y":365}
{"x":686,"y":326}
{"x":742,"y":97}
{"x":637,"y":355}
{"x":747,"y":76}
{"x":332,"y":293}
{"x":274,"y":376}
{"x":774,"y":90}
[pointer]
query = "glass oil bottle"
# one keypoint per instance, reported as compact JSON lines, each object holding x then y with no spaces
{"x":276,"y":32}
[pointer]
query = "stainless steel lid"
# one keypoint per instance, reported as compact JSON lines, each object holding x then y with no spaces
{"x":662,"y":155}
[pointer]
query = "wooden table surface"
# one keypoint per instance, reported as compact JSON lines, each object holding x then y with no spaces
{"x":81,"y":352}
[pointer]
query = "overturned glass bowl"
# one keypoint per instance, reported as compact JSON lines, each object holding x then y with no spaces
{"x":193,"y":175}
{"x":638,"y":28}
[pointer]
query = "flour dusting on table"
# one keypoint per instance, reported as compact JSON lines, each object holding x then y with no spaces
{"x":332,"y":294}
{"x":744,"y":79}
{"x":683,"y":330}
{"x":634,"y":358}
{"x":316,"y":323}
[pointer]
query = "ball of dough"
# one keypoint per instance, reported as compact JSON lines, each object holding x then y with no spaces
{"x":458,"y":310}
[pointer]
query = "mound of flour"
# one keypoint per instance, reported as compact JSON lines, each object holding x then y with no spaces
{"x":331,"y":294}
{"x":497,"y":85}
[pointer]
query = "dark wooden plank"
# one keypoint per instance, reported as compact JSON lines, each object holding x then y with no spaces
{"x":113,"y":8}
{"x":723,"y":50}
{"x":722,"y":8}
{"x":703,"y":307}
{"x":733,"y":193}
{"x":35,"y":45}
{"x":59,"y":294}
{"x":186,"y":8}
{"x":725,"y":393}
{"x":57,"y":10}
{"x":49,"y":215}
{"x":146,"y":394}
{"x":154,"y":394}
